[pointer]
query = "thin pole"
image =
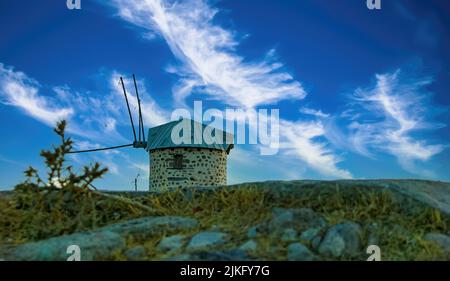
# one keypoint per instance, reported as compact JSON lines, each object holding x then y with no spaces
{"x":141,"y":121}
{"x":139,"y":108}
{"x":128,"y":106}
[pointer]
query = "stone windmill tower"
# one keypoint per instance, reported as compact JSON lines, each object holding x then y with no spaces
{"x":186,"y":165}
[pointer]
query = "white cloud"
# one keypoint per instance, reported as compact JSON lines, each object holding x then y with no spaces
{"x":17,"y":89}
{"x":313,"y":112}
{"x":394,"y":111}
{"x":85,"y":114}
{"x":210,"y":64}
{"x":300,"y":140}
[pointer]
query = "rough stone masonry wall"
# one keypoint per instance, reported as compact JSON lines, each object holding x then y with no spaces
{"x":201,"y":167}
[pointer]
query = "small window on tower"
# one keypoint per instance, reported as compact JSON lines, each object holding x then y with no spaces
{"x":178,"y":161}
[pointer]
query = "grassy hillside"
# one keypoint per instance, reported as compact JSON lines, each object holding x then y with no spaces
{"x":395,"y":214}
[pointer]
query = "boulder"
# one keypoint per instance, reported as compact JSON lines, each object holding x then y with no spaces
{"x":342,"y":240}
{"x":172,"y":243}
{"x":92,"y":245}
{"x":207,"y":239}
{"x":309,"y":234}
{"x":299,"y":252}
{"x":249,"y":246}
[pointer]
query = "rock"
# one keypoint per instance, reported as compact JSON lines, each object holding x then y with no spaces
{"x":312,"y":236}
{"x":443,"y":241}
{"x":309,"y":234}
{"x":333,"y":245}
{"x":207,"y":239}
{"x":342,"y":239}
{"x":249,"y":246}
{"x":93,"y":246}
{"x":299,"y":252}
{"x":302,"y":218}
{"x":172,"y":243}
{"x":148,"y":226}
{"x":289,"y":235}
{"x":135,"y":253}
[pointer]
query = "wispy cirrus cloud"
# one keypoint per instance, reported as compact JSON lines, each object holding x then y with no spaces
{"x":391,"y":114}
{"x":314,"y":112}
{"x":300,"y":139}
{"x":51,"y":105}
{"x":210,"y":63}
{"x":21,"y":91}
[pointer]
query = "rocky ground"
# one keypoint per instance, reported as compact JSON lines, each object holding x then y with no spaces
{"x":297,"y":221}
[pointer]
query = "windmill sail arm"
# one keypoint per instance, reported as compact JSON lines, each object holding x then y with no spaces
{"x":141,"y":121}
{"x":100,"y":149}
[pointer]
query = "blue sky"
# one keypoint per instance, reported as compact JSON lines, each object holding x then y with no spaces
{"x":362,"y":93}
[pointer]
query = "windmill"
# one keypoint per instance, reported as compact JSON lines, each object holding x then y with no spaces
{"x":138,"y":142}
{"x":170,"y":162}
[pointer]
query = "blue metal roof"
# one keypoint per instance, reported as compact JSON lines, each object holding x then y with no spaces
{"x":160,"y":137}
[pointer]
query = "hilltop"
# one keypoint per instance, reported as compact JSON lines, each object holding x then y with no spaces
{"x":274,"y":220}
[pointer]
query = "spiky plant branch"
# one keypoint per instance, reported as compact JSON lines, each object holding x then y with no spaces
{"x":59,"y":175}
